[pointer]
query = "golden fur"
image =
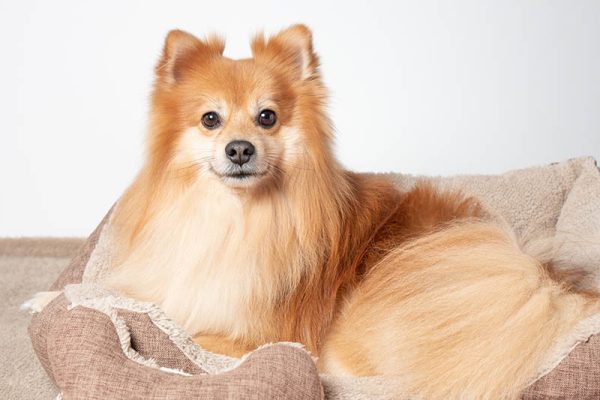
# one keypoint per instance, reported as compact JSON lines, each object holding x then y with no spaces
{"x":375,"y":281}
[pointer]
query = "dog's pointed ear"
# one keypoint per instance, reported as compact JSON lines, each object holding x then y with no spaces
{"x":291,"y":49}
{"x":180,"y":50}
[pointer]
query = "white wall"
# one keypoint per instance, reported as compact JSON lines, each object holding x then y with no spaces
{"x":429,"y":87}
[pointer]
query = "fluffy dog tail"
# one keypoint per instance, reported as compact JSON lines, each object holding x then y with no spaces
{"x":462,"y":313}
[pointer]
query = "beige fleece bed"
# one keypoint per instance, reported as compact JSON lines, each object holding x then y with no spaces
{"x":95,"y":345}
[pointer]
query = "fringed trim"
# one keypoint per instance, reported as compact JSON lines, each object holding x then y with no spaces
{"x":99,"y":298}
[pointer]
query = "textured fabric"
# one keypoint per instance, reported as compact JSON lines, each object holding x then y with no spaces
{"x":151,"y":342}
{"x":536,"y":202}
{"x":74,"y":272}
{"x":28,"y":267}
{"x":40,"y":247}
{"x":576,"y":377}
{"x":89,"y":364}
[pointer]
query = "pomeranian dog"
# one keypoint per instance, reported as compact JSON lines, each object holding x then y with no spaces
{"x":245,"y":230}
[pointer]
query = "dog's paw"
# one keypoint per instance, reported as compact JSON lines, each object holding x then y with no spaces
{"x":39,"y":301}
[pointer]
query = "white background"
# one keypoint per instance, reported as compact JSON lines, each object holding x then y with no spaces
{"x":424,"y":87}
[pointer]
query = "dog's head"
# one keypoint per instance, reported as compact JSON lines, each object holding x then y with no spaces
{"x":243,"y":123}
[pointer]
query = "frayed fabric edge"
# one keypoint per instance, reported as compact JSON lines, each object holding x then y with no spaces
{"x":100,"y":299}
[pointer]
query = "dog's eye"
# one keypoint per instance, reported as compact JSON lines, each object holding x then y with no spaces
{"x":267,"y":118}
{"x":211,"y":120}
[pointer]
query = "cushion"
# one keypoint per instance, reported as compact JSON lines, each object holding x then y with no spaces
{"x":95,"y":344}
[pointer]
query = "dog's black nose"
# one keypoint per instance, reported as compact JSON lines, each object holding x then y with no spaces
{"x":239,"y":151}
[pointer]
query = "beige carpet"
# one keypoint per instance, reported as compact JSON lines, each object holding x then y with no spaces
{"x":27,"y":266}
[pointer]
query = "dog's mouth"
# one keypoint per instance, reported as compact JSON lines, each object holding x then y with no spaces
{"x":238,"y":175}
{"x":241,"y":175}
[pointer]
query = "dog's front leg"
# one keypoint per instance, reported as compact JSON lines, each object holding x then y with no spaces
{"x":222,"y":345}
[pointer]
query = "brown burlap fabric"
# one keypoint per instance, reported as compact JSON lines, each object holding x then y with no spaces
{"x":74,"y":272}
{"x":576,"y":377}
{"x":81,"y":352}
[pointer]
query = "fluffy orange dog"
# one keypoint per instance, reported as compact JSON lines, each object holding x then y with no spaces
{"x":244,"y":228}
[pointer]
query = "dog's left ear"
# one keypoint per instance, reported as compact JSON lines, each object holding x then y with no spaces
{"x":291,"y":49}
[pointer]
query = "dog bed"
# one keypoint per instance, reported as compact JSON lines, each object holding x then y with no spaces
{"x":96,"y":345}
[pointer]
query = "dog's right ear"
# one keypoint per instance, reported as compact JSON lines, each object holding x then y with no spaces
{"x":291,"y":49}
{"x":182,"y":51}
